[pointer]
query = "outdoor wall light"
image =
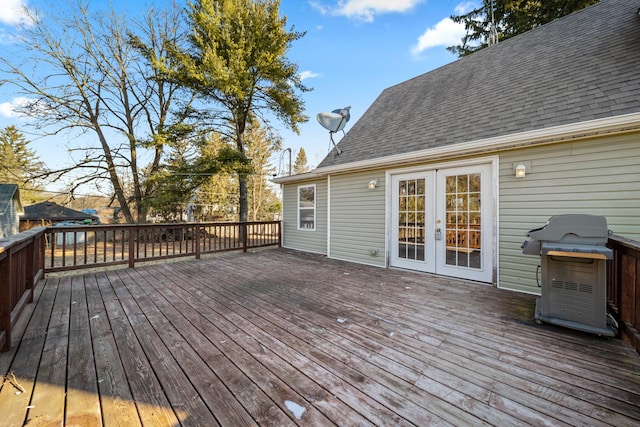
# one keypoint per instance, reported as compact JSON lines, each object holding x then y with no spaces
{"x":373,"y":184}
{"x":521,"y":171}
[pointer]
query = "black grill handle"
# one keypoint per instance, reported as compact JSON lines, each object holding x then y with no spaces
{"x":538,"y":275}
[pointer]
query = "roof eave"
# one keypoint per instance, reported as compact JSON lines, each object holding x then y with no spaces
{"x":580,"y":130}
{"x":297,"y":178}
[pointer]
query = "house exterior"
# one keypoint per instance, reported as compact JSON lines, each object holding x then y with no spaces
{"x":10,"y":210}
{"x":50,"y":213}
{"x":426,"y":179}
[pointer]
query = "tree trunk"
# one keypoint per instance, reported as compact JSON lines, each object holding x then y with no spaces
{"x":244,"y":205}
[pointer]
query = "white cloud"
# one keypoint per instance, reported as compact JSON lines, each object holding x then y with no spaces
{"x":366,"y":10}
{"x":308,"y":75}
{"x":15,"y":12}
{"x":12,"y":109}
{"x":444,"y":33}
{"x":464,"y":8}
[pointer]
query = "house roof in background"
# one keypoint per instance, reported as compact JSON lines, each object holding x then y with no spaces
{"x":582,"y":67}
{"x":50,"y":211}
{"x":8,"y":193}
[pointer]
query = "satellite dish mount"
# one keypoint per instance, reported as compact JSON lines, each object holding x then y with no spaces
{"x":334,"y":122}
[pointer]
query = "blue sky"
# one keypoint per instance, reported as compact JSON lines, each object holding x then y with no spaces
{"x":352,"y":50}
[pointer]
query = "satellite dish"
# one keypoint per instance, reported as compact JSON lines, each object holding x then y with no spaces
{"x":334,"y":122}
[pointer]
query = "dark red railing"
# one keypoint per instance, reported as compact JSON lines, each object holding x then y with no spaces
{"x":623,"y":287}
{"x":20,"y":269}
{"x":24,"y":258}
{"x":77,"y":247}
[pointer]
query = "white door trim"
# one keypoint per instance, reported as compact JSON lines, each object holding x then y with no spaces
{"x":492,"y":162}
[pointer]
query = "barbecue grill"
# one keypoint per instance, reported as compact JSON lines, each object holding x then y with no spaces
{"x":573,"y":272}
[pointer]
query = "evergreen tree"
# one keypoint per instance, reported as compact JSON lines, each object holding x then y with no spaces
{"x":19,"y":164}
{"x":507,"y":18}
{"x":236,"y":63}
{"x":187,"y":168}
{"x":260,"y":147}
{"x":300,"y":165}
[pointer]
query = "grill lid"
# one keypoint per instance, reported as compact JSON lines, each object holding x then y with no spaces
{"x":573,"y":228}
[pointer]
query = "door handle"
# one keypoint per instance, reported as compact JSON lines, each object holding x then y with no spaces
{"x":438,"y":234}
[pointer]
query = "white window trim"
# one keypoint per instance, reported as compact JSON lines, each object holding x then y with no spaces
{"x":315,"y":207}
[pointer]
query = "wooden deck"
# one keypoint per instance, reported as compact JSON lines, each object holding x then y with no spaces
{"x":279,"y":338}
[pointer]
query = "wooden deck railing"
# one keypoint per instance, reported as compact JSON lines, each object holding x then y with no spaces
{"x":20,"y":269}
{"x":24,"y":258}
{"x":77,"y":247}
{"x":623,"y":287}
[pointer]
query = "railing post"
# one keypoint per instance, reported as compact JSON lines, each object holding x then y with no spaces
{"x":279,"y":226}
{"x":133,"y":234}
{"x":30,"y":273}
{"x":197,"y":229}
{"x":5,"y":300}
{"x":42,"y":239}
{"x":243,"y":230}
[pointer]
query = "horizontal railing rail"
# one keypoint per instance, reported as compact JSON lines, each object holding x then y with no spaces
{"x":26,"y":257}
{"x":78,"y":247}
{"x":623,"y":287}
{"x":21,"y":267}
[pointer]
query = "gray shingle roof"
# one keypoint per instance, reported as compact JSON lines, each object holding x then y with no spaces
{"x":580,"y":67}
{"x":50,"y":211}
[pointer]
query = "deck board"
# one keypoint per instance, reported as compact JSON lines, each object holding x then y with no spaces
{"x":245,"y":339}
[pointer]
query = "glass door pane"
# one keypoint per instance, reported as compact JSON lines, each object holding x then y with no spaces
{"x":411,"y":219}
{"x":463,"y":221}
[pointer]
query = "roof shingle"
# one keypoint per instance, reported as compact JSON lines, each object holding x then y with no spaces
{"x":581,"y":67}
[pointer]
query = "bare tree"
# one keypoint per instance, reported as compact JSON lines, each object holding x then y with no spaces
{"x":83,"y":74}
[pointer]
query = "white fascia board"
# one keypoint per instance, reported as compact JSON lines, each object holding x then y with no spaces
{"x":579,"y":130}
{"x":297,"y":178}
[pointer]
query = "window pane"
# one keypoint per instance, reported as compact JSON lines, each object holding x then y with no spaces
{"x":307,"y":196}
{"x":411,"y":217}
{"x":463,"y":215}
{"x":307,"y":207}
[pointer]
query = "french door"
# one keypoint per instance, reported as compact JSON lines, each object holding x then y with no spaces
{"x":442,"y":222}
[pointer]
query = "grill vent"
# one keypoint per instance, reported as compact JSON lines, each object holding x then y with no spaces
{"x":572,"y":286}
{"x":586,"y":288}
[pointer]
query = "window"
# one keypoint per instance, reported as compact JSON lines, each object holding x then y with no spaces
{"x":307,"y":207}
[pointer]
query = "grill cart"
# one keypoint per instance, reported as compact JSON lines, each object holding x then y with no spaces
{"x":573,"y":285}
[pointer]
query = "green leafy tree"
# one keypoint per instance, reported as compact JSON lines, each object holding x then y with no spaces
{"x":19,"y":164}
{"x":507,"y":18}
{"x":237,"y":65}
{"x":300,"y":165}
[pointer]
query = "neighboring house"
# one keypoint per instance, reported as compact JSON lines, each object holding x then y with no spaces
{"x":10,"y":210}
{"x":50,"y":213}
{"x":426,"y":179}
